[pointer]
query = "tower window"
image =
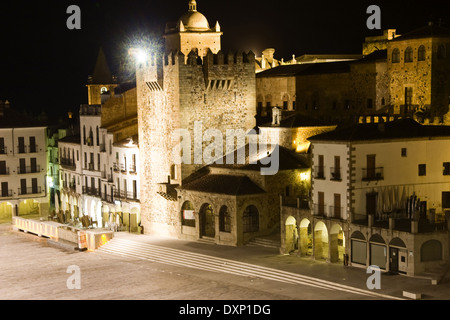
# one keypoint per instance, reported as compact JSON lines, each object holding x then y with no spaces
{"x":421,"y":53}
{"x":396,"y":56}
{"x":408,"y":55}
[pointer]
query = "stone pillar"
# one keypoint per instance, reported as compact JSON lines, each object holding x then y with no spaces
{"x":414,"y":226}
{"x":333,"y":248}
{"x":391,"y":223}
{"x":303,"y":241}
{"x":289,"y":245}
{"x":370,"y":220}
{"x":318,"y":244}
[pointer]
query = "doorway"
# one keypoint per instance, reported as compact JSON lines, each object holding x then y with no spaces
{"x":207,"y":221}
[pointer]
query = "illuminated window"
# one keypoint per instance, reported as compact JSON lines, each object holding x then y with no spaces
{"x":421,"y":54}
{"x":103,"y":90}
{"x":409,"y":55}
{"x":396,"y":56}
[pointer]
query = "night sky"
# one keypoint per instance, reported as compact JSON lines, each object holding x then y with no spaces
{"x":44,"y":66}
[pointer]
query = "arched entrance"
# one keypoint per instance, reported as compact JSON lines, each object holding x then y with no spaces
{"x":306,"y":238}
{"x":378,"y":254}
{"x":207,"y":221}
{"x":358,"y":248}
{"x":6,"y":211}
{"x":398,"y":256}
{"x":320,"y":241}
{"x":291,"y":243}
{"x":337,"y":243}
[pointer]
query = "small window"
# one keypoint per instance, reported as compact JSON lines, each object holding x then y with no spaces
{"x":404,"y":152}
{"x":396,"y":56}
{"x":421,"y":54}
{"x":409,"y":55}
{"x":446,"y":167}
{"x":422,"y":170}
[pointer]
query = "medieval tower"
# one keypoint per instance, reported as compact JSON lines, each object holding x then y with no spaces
{"x":192,"y":86}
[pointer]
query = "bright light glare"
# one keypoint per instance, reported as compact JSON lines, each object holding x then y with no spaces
{"x":138,"y":54}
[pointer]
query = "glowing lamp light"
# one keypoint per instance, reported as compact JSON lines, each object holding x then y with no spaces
{"x":305,"y":176}
{"x":138,"y":54}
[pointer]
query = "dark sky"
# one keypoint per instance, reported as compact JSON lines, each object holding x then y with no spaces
{"x":45,"y":66}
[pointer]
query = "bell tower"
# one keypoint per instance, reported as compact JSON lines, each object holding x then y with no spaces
{"x":101,"y":82}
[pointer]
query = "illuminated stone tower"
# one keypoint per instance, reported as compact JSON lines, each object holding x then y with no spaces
{"x":101,"y":81}
{"x":183,"y":87}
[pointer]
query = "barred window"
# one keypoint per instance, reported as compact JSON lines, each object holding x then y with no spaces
{"x":250,"y":219}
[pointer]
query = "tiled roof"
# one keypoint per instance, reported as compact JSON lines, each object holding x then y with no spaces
{"x":428,"y":31}
{"x":400,"y":129}
{"x":223,"y":184}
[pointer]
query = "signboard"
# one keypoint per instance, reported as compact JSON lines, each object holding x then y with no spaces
{"x":188,"y":215}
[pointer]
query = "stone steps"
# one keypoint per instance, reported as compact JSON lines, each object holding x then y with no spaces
{"x":265,"y":242}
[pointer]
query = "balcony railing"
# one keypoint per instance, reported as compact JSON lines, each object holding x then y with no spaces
{"x":6,"y":193}
{"x":91,"y":191}
{"x":335,"y":174}
{"x":132,"y":168}
{"x":125,"y":195}
{"x":373,"y":174}
{"x":336,"y":212}
{"x":320,"y":210}
{"x":319,"y":172}
{"x":4,"y":171}
{"x":27,"y":149}
{"x":25,"y":191}
{"x":32,"y":169}
{"x":68,"y":163}
{"x":3,"y":150}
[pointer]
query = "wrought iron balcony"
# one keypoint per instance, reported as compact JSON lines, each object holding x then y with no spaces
{"x":32,"y":190}
{"x":31,"y":169}
{"x":319,"y":172}
{"x":335,"y":174}
{"x":373,"y":174}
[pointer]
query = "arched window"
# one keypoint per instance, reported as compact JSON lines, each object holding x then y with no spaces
{"x":187,"y":214}
{"x":395,"y":56}
{"x":409,"y":54}
{"x":224,"y":219}
{"x":431,"y":251}
{"x":441,"y":54}
{"x":250,"y":219}
{"x":421,"y":54}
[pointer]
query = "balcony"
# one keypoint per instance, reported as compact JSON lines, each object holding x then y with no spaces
{"x":108,"y":198}
{"x":132,"y":168}
{"x":123,"y":195}
{"x":91,"y":191}
{"x":4,"y":171}
{"x":335,"y":174}
{"x":68,"y":164}
{"x":3,"y":150}
{"x":320,"y":210}
{"x":319,"y":173}
{"x":25,"y":170}
{"x":27,"y":149}
{"x":29,"y":191}
{"x":336,"y":212}
{"x":6,"y":194}
{"x":373,"y":174}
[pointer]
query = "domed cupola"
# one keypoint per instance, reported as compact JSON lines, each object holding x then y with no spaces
{"x":193,"y":20}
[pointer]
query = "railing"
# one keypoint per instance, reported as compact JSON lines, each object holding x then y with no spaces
{"x":4,"y":171}
{"x":27,"y":149}
{"x":5,"y":193}
{"x":320,"y":210}
{"x":319,"y":172}
{"x":335,"y":174}
{"x":90,"y":110}
{"x":132,"y":168}
{"x":91,"y":191}
{"x":68,"y":163}
{"x":3,"y":150}
{"x":108,"y":198}
{"x":24,"y":191}
{"x":336,"y":212}
{"x":24,"y":170}
{"x":373,"y":174}
{"x":119,"y":167}
{"x":125,"y":195}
